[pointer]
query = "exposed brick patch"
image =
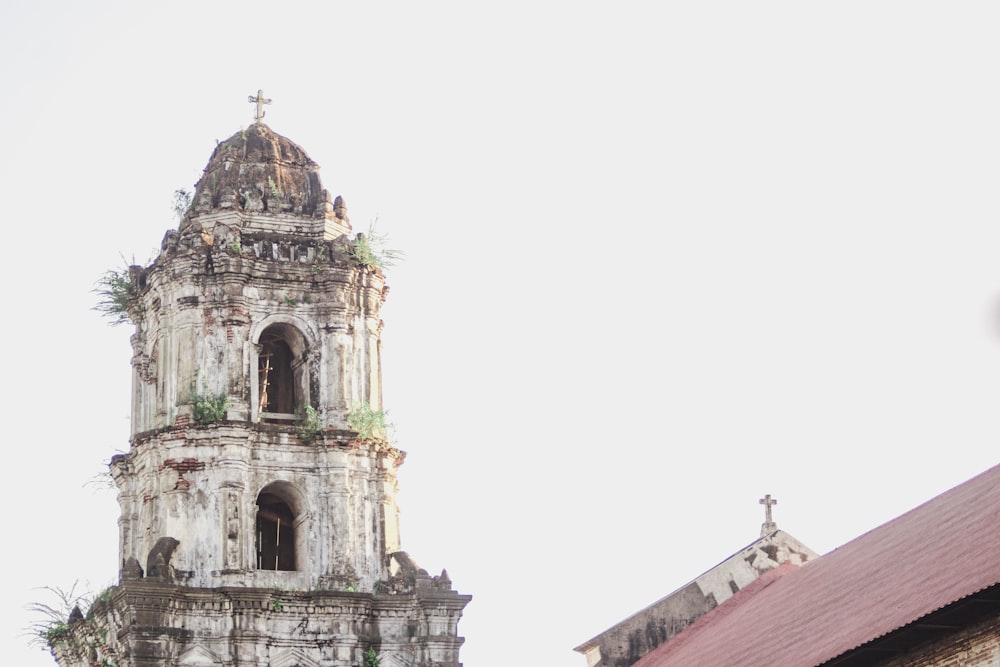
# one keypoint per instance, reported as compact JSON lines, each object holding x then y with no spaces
{"x":973,"y":646}
{"x":176,"y":436}
{"x":183,"y":465}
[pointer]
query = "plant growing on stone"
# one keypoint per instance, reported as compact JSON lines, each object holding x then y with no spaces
{"x":360,"y":250}
{"x":370,"y":249}
{"x":102,"y":480}
{"x":208,"y":408}
{"x":52,"y":624}
{"x":181,"y":203}
{"x":371,"y":658}
{"x":370,"y":425}
{"x":309,"y":426}
{"x":320,"y":258}
{"x":290,"y":300}
{"x":275,"y":193}
{"x":103,"y":596}
{"x":115,"y":290}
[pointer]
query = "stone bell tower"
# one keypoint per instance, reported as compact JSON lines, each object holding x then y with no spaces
{"x":259,"y":523}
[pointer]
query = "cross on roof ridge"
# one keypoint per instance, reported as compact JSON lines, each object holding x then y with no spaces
{"x":769,"y":526}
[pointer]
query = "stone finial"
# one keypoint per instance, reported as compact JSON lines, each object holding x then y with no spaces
{"x":340,"y":208}
{"x":443,"y":581}
{"x":769,"y":526}
{"x":325,"y":203}
{"x":75,"y":616}
{"x":132,"y":570}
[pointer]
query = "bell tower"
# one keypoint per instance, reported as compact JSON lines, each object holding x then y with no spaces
{"x":259,"y":523}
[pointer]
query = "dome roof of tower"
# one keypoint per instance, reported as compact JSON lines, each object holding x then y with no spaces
{"x":259,"y":170}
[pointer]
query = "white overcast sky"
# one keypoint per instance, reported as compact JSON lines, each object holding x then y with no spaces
{"x":662,"y":258}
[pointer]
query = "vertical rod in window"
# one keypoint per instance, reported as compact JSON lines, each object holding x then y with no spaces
{"x":277,"y":544}
{"x":265,"y":374}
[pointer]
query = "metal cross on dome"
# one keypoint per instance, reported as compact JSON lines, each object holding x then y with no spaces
{"x":260,"y":101}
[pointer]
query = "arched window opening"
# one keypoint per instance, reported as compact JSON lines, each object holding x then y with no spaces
{"x":276,"y":378}
{"x":275,"y":533}
{"x":282,"y":374}
{"x":280,"y":388}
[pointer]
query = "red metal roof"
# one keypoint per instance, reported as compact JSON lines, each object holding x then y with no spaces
{"x":933,"y":555}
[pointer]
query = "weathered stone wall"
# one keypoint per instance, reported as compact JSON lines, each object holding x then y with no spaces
{"x":205,"y":301}
{"x":200,"y":313}
{"x":626,"y":642}
{"x":148,"y":624}
{"x":199,"y":484}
